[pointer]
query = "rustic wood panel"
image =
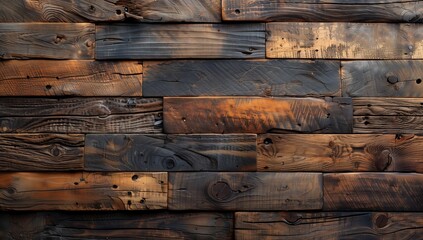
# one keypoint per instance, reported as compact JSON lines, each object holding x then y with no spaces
{"x":322,"y":11}
{"x":48,"y":40}
{"x":337,"y":153}
{"x":152,"y":41}
{"x":344,"y":40}
{"x":256,"y":115}
{"x":83,"y":191}
{"x":81,"y":115}
{"x":245,"y":191}
{"x":130,"y":152}
{"x":242,"y":78}
{"x":328,"y":225}
{"x":41,"y":152}
{"x":373,"y":191}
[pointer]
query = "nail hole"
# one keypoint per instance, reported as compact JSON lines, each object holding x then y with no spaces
{"x":237,"y":11}
{"x":184,"y":119}
{"x":126,"y":9}
{"x":418,"y":81}
{"x":118,"y":12}
{"x":366,"y":123}
{"x":299,"y":124}
{"x":48,"y":87}
{"x":328,"y":115}
{"x":129,"y":193}
{"x":267,"y":141}
{"x":142,"y":200}
{"x":369,"y":105}
{"x":115,"y":186}
{"x":129,"y":202}
{"x":134,"y":178}
{"x":57,"y":78}
{"x":316,"y":50}
{"x":76,"y":183}
{"x":27,"y":77}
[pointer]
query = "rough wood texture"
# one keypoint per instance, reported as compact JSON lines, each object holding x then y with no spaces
{"x":242,"y":78}
{"x":170,"y":152}
{"x":245,"y":191}
{"x":256,"y":115}
{"x":394,"y":78}
{"x":373,"y":191}
{"x":328,"y":225}
{"x":152,"y":41}
{"x":83,"y":191}
{"x":337,"y":153}
{"x":70,"y":78}
{"x":81,"y":115}
{"x":116,"y":225}
{"x":48,"y":40}
{"x":322,"y":11}
{"x":41,"y":152}
{"x":344,"y":40}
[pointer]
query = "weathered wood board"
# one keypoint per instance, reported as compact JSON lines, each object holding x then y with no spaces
{"x":41,"y":152}
{"x":340,"y":152}
{"x":83,"y":191}
{"x":373,"y":191}
{"x":328,"y":225}
{"x":241,"y":78}
{"x":106,"y":152}
{"x":344,"y":40}
{"x":170,"y":41}
{"x":81,"y":115}
{"x":245,"y":191}
{"x":256,"y":115}
{"x":47,"y":40}
{"x":70,"y":78}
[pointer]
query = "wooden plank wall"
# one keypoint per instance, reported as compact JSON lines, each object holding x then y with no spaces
{"x":211,"y":119}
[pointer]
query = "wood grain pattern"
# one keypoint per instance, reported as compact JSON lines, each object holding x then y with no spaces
{"x":152,"y":41}
{"x":256,"y":115}
{"x":245,"y":191}
{"x":47,"y":40}
{"x":328,"y":225}
{"x":83,"y":191}
{"x":41,"y":152}
{"x":373,"y":191}
{"x":338,"y":153}
{"x":130,"y":152}
{"x":70,"y":78}
{"x":344,"y":40}
{"x":322,"y":11}
{"x":241,"y":78}
{"x":81,"y":115}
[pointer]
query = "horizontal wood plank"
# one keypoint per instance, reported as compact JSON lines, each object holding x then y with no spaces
{"x":256,"y":115}
{"x":47,"y":40}
{"x":83,"y":191}
{"x":338,"y":153}
{"x":241,"y":78}
{"x":373,"y":191}
{"x":245,"y":191}
{"x":344,"y":40}
{"x":170,"y":152}
{"x":169,"y":41}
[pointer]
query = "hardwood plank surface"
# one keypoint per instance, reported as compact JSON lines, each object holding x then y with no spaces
{"x":256,"y":115}
{"x":373,"y":191}
{"x":152,"y":41}
{"x":241,"y":78}
{"x":83,"y":191}
{"x":41,"y":152}
{"x":344,"y":40}
{"x":47,"y":40}
{"x":340,"y":152}
{"x":245,"y":191}
{"x":106,"y":152}
{"x":328,"y":225}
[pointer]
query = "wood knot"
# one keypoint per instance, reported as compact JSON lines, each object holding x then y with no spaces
{"x":59,"y":38}
{"x":382,"y":221}
{"x":169,"y":163}
{"x":55,"y":151}
{"x":383,"y":160}
{"x":11,"y":190}
{"x":392,"y":79}
{"x":5,"y":125}
{"x":220,"y":191}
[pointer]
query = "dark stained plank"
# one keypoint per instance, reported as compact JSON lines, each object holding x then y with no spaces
{"x":41,"y":152}
{"x":116,"y":225}
{"x":373,"y":191}
{"x":394,"y":78}
{"x":339,"y":152}
{"x":152,"y":41}
{"x":328,"y":225}
{"x":106,"y":152}
{"x":242,"y":78}
{"x":83,"y":191}
{"x":256,"y":115}
{"x":70,"y":78}
{"x":344,"y":40}
{"x":245,"y":191}
{"x":81,"y":115}
{"x":48,"y":40}
{"x":322,"y":11}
